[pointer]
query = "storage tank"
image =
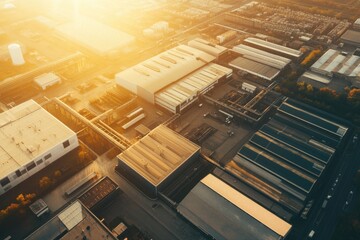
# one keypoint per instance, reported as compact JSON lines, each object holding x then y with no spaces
{"x":16,"y":54}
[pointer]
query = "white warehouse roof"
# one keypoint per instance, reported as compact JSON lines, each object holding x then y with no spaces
{"x":47,"y":79}
{"x":334,"y":61}
{"x":261,"y":56}
{"x":26,"y":132}
{"x":275,"y":47}
{"x":208,"y":47}
{"x":160,"y":71}
{"x":189,"y":87}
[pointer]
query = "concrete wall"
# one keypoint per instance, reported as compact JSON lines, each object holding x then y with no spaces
{"x":40,"y":162}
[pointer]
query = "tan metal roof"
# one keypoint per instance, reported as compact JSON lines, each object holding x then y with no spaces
{"x":247,"y":205}
{"x":158,"y":154}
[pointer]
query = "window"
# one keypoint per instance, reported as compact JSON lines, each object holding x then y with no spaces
{"x":4,"y":181}
{"x":66,"y":143}
{"x":47,"y":156}
{"x":23,"y":171}
{"x":39,"y":162}
{"x":18,"y":173}
{"x":30,"y":166}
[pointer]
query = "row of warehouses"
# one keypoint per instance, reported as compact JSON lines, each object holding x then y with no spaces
{"x":175,"y":78}
{"x":161,"y":157}
{"x":258,"y":62}
{"x":263,"y":59}
{"x":287,"y":157}
{"x":334,"y":68}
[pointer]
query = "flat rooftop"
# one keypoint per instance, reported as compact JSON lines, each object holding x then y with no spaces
{"x":274,"y":47}
{"x":72,"y":223}
{"x":26,"y":132}
{"x":163,"y":69}
{"x":351,"y":36}
{"x":96,"y":36}
{"x":256,"y":68}
{"x":158,"y":154}
{"x":99,"y":192}
{"x":225,"y":213}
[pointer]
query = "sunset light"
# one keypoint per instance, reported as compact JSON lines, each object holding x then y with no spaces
{"x":179,"y":119}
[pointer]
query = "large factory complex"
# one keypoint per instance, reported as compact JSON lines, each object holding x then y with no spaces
{"x":175,"y":78}
{"x":184,"y":123}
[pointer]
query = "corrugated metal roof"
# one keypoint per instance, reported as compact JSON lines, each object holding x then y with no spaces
{"x":163,"y":69}
{"x":258,"y":69}
{"x":262,"y":56}
{"x":224,"y":213}
{"x":188,"y":87}
{"x":158,"y":154}
{"x":275,"y":47}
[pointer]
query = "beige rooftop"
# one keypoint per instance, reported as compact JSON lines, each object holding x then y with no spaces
{"x":158,"y":154}
{"x":247,"y":205}
{"x":163,"y":69}
{"x":26,"y":132}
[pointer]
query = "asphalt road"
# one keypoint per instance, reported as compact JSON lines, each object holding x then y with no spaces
{"x":324,"y":220}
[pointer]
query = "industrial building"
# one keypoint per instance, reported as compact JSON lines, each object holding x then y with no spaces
{"x":334,"y":61}
{"x":335,"y":70}
{"x":75,"y":222}
{"x":351,"y":37}
{"x":208,"y":47}
{"x":47,"y":80}
{"x":356,"y":24}
{"x":95,"y":36}
{"x":289,"y":154}
{"x":273,"y":48}
{"x":224,"y":213}
{"x":174,"y":78}
{"x":258,"y":62}
{"x":30,"y":139}
{"x":156,"y":159}
{"x":184,"y":92}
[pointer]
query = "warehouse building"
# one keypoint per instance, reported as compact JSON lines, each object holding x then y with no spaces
{"x":47,"y":80}
{"x":95,"y":36}
{"x":178,"y":96}
{"x":273,"y":48}
{"x":75,"y":222}
{"x":351,"y":37}
{"x":224,"y":213}
{"x":289,"y":154}
{"x":335,"y":70}
{"x":258,"y":62}
{"x":334,"y":61}
{"x":30,"y":139}
{"x":156,"y":159}
{"x":208,"y":47}
{"x":356,"y":24}
{"x":174,"y":78}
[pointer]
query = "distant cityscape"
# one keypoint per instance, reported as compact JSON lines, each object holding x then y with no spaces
{"x":191,"y":119}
